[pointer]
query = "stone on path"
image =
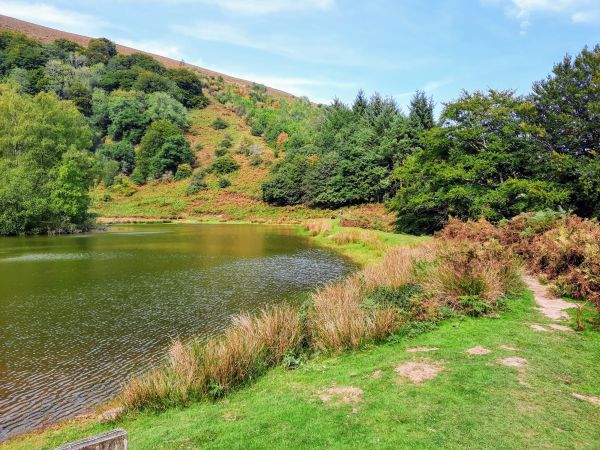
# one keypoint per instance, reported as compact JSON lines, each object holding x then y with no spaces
{"x":536,"y":327}
{"x":562,"y":328}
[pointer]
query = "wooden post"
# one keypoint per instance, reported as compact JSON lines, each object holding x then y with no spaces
{"x":111,"y":440}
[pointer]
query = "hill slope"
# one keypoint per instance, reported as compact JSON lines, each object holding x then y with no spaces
{"x":46,"y":35}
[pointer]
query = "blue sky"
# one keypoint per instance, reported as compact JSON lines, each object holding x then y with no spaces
{"x":328,"y":48}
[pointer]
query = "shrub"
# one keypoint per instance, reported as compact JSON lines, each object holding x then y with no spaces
{"x":220,"y":152}
{"x":197,"y":183}
{"x":183,"y":171}
{"x":224,"y":182}
{"x":224,"y":165}
{"x":220,"y":124}
{"x":256,"y":161}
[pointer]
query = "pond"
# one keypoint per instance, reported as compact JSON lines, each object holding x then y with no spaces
{"x":81,"y":314}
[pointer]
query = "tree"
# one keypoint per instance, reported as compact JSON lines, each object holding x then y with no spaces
{"x":121,"y":152}
{"x":45,"y":167}
{"x":127,"y":118}
{"x":161,"y":106}
{"x":190,"y":87}
{"x":567,"y":107}
{"x":100,"y":50}
{"x":162,"y":149}
{"x":483,"y":162}
{"x":421,"y":111}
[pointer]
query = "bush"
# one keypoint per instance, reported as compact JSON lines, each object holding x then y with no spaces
{"x":224,"y":182}
{"x":256,"y":161}
{"x":220,"y":124}
{"x":197,"y":183}
{"x":220,"y":152}
{"x":224,"y":165}
{"x":183,"y":171}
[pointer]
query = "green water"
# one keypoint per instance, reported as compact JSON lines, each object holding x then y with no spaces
{"x":81,"y":314}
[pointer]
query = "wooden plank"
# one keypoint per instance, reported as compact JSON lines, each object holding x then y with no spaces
{"x":111,"y":440}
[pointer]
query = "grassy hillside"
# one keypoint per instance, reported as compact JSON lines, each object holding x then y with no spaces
{"x":241,"y":201}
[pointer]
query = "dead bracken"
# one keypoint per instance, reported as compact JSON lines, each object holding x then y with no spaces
{"x":417,"y":372}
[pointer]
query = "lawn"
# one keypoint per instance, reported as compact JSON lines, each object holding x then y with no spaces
{"x":474,"y":402}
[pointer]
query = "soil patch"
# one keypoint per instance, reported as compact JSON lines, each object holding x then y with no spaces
{"x":341,"y":394}
{"x":377,"y":374}
{"x":513,"y":361}
{"x":421,"y":349}
{"x":417,"y":372}
{"x":478,"y":350}
{"x":558,"y":327}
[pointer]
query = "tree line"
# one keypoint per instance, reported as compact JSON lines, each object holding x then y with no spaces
{"x":72,"y":115}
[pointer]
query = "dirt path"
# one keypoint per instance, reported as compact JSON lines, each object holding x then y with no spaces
{"x":549,"y":304}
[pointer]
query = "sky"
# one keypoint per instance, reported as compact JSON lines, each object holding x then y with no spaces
{"x":324,"y":49}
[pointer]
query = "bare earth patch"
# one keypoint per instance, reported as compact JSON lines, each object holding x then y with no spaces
{"x":341,"y":394}
{"x":421,"y":349}
{"x":377,"y":374}
{"x":417,"y":372}
{"x":587,"y":398}
{"x":558,"y":327}
{"x":508,"y":347}
{"x":549,"y":304}
{"x":478,"y":350}
{"x":538,"y":328}
{"x":513,"y":361}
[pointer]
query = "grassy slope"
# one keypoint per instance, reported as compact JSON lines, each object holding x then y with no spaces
{"x":473,"y":403}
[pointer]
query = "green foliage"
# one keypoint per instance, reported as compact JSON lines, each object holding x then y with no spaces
{"x":190,"y":87}
{"x":161,"y":106}
{"x":45,"y":168}
{"x":163,"y":148}
{"x":121,"y":152}
{"x":220,"y":124}
{"x":224,"y":182}
{"x":483,"y":162}
{"x":197,"y":183}
{"x":100,"y":50}
{"x":224,"y":165}
{"x":183,"y":171}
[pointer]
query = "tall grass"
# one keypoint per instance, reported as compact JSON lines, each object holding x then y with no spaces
{"x":318,"y":226}
{"x":353,"y":236}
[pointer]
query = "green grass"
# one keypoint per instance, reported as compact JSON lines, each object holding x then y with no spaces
{"x":473,"y":403}
{"x":363,"y":253}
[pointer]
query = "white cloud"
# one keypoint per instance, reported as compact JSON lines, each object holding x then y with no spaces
{"x":158,"y":48}
{"x":51,"y":16}
{"x":578,"y":11}
{"x":264,"y":7}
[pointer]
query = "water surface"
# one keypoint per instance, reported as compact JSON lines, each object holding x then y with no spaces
{"x":81,"y":314}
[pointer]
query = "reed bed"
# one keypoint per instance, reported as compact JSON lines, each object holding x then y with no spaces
{"x":318,"y":226}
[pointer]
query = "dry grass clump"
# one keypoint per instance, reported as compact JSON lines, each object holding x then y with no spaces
{"x":351,"y":236}
{"x":339,"y":320}
{"x":473,"y":275}
{"x":248,"y":348}
{"x":318,"y":226}
{"x":397,"y":267}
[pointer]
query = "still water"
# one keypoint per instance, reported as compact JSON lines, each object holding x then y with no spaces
{"x":81,"y":314}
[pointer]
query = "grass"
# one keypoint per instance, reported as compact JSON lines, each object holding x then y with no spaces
{"x":473,"y":403}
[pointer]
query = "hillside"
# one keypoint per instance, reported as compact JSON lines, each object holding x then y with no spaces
{"x":47,"y":35}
